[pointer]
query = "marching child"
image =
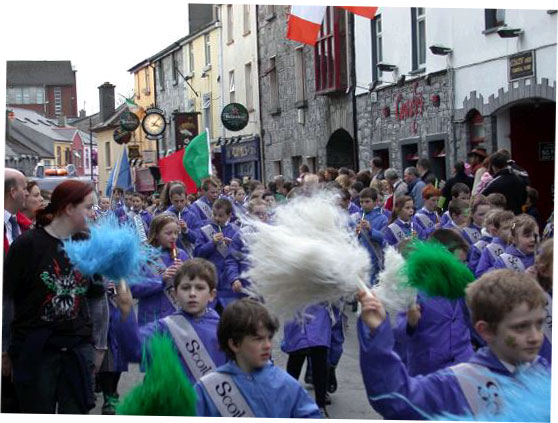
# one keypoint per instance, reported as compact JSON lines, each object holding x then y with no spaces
{"x":239,"y":209}
{"x":154,"y":291}
{"x":143,"y":216}
{"x":472,"y":232}
{"x":458,"y":211}
{"x":459,"y":191}
{"x":488,"y":231}
{"x":502,"y":237}
{"x":202,"y":207}
{"x":400,"y":225}
{"x":193,"y":327}
{"x":187,"y":220}
{"x":520,"y":254}
{"x":426,"y":220}
{"x":249,"y":384}
{"x":497,"y":201}
{"x":213,"y":244}
{"x":507,"y":311}
{"x":104,"y":207}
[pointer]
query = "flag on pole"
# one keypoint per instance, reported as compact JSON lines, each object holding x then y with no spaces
{"x":190,"y":165}
{"x":120,"y":175}
{"x":305,"y":21}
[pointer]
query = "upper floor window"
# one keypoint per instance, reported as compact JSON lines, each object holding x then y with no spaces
{"x":494,"y":18}
{"x":418,"y":24}
{"x":299,"y":74}
{"x":175,"y":67}
{"x":248,"y":86}
{"x":191,"y":57}
{"x":207,"y":39}
{"x":231,"y":87}
{"x":160,"y":69}
{"x":230,"y":21}
{"x":377,"y":51}
{"x":330,"y":53}
{"x":147,"y":81}
{"x":246,"y":23}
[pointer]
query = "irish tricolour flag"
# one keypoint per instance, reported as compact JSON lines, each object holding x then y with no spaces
{"x":190,"y":165}
{"x":305,"y":21}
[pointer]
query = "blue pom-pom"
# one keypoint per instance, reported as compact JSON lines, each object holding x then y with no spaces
{"x":113,"y":250}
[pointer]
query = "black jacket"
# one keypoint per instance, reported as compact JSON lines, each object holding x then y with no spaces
{"x":512,"y":187}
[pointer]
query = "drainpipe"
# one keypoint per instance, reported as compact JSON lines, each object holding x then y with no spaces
{"x":351,"y":27}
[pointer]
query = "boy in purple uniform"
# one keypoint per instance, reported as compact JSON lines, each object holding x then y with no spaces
{"x":507,"y":311}
{"x":488,"y":231}
{"x":459,"y":191}
{"x":520,"y":254}
{"x":502,"y":224}
{"x":193,"y":327}
{"x":426,"y":220}
{"x":188,"y":221}
{"x":202,"y":207}
{"x":459,"y":215}
{"x":213,"y":244}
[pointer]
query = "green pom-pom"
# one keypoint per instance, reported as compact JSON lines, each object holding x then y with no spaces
{"x":433,"y":269}
{"x":166,"y":390}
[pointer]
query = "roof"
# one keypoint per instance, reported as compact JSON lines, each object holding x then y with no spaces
{"x":83,"y":123}
{"x":14,"y":148}
{"x":113,"y":120}
{"x":40,"y":73}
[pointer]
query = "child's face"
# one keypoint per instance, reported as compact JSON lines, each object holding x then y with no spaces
{"x":226,"y":190}
{"x":253,"y":352}
{"x":168,"y":235}
{"x":461,"y":219}
{"x":526,"y":241}
{"x":519,"y":336}
{"x":367,"y":204}
{"x":461,"y":255}
{"x":479,"y":214}
{"x":431,"y":203}
{"x":104,"y":203}
{"x":504,"y":233}
{"x":270,"y":200}
{"x":260,"y":212}
{"x":463,"y":196}
{"x":220,"y":217}
{"x":178,"y":201}
{"x":406,"y":212}
{"x":212,"y":193}
{"x":137,"y":204}
{"x":128,"y":201}
{"x":194,"y":295}
{"x":492,"y":229}
{"x":239,"y":196}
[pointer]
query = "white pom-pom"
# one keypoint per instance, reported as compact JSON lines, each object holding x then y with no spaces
{"x":307,"y":256}
{"x":391,"y":289}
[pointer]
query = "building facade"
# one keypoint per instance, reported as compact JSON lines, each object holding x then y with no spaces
{"x":306,"y":95}
{"x":437,"y":83}
{"x":46,"y":87}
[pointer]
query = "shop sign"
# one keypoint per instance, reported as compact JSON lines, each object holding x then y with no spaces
{"x":121,"y":136}
{"x":521,"y":65}
{"x":234,"y":117}
{"x":186,"y":128}
{"x":246,"y":151}
{"x":129,"y":121}
{"x":409,"y":108}
{"x":546,"y":151}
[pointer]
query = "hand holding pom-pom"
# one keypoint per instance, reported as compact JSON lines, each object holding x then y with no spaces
{"x":373,"y":313}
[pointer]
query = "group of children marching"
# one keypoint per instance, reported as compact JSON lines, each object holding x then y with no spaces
{"x":224,"y":340}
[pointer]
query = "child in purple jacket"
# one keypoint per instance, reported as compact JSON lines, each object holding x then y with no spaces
{"x":507,"y":311}
{"x":520,"y":254}
{"x":193,"y":327}
{"x":154,"y":290}
{"x":488,"y":232}
{"x":472,"y":232}
{"x":426,"y":220}
{"x":502,"y":237}
{"x":400,"y":226}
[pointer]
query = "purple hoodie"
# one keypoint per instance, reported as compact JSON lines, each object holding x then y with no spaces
{"x":489,"y":255}
{"x":424,"y":223}
{"x":313,"y":331}
{"x":391,"y":230}
{"x":514,"y":259}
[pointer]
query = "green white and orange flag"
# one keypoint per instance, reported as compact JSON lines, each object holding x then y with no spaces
{"x":190,"y":165}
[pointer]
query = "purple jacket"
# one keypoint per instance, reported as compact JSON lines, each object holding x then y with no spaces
{"x":489,"y":255}
{"x":313,"y":331}
{"x":424,"y":223}
{"x":117,"y":349}
{"x":475,"y":252}
{"x":236,"y":263}
{"x":514,"y":259}
{"x":471,"y":233}
{"x":134,"y":338}
{"x":353,"y":208}
{"x":390,"y":232}
{"x":195,"y":208}
{"x":205,"y":248}
{"x":187,"y":240}
{"x":373,"y":240}
{"x":441,"y":338}
{"x":445,"y":218}
{"x":384,"y":374}
{"x":152,"y":293}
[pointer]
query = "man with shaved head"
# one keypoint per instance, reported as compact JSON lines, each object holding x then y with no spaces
{"x":15,"y":192}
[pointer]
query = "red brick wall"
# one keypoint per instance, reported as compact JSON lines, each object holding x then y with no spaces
{"x":69,"y":101}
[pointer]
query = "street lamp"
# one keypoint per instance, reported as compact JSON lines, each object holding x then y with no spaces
{"x":439,"y":50}
{"x":506,"y":32}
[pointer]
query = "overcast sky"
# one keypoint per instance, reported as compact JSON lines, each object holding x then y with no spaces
{"x":104,"y":38}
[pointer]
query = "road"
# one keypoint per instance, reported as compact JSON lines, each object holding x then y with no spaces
{"x":349,"y":402}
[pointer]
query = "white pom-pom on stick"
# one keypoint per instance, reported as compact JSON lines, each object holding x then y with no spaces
{"x":307,"y":256}
{"x":391,"y":289}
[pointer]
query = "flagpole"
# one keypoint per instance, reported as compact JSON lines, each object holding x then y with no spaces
{"x":210,"y":166}
{"x":115,"y":174}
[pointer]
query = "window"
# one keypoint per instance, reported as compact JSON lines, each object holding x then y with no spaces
{"x":138,"y":85}
{"x":330,"y":53}
{"x":311,"y":162}
{"x":206,"y":106}
{"x":273,"y":87}
{"x":207,"y":50}
{"x":231,"y":86}
{"x":248,"y":85}
{"x":57,"y":101}
{"x":190,"y":105}
{"x":161,"y":75}
{"x":277,"y":168}
{"x":147,"y":81}
{"x":174,"y":58}
{"x":191,"y":57}
{"x":246,"y":15}
{"x":26,"y":92}
{"x":107,"y":155}
{"x":494,"y":18}
{"x":299,"y":75}
{"x":40,"y":96}
{"x":418,"y":24}
{"x":377,"y":52}
{"x":230,"y":20}
{"x":58,"y":155}
{"x":296,"y":161}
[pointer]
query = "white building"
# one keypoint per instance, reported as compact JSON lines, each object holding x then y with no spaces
{"x":491,"y":83}
{"x":239,"y":84}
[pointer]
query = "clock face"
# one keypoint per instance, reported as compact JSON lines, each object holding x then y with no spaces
{"x":154,"y":124}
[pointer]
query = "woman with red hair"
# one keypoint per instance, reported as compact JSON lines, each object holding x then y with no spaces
{"x":50,"y":352}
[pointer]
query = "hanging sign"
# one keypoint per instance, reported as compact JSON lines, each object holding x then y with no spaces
{"x":521,"y":65}
{"x":234,"y":117}
{"x":129,"y":121}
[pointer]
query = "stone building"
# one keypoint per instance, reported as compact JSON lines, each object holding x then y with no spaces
{"x":306,"y":95}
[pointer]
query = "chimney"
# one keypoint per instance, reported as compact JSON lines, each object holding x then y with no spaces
{"x":62,"y":121}
{"x":82,"y":113}
{"x":106,"y":101}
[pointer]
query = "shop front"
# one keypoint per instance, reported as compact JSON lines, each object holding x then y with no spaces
{"x":241,"y":158}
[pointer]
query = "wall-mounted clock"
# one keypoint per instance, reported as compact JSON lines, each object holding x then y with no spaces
{"x":154,"y":122}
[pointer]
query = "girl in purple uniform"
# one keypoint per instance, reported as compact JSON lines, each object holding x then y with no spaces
{"x":400,"y":225}
{"x":520,"y":254}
